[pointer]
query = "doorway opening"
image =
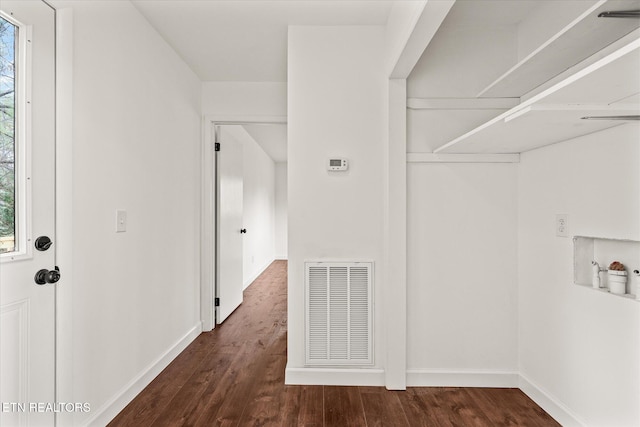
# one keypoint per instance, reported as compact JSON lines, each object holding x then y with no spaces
{"x":244,"y":214}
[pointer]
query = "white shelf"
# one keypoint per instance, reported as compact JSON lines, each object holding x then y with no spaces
{"x":462,"y":158}
{"x":604,"y":251}
{"x":461,"y":103}
{"x":610,"y":86}
{"x":606,"y":291}
{"x":581,"y":38}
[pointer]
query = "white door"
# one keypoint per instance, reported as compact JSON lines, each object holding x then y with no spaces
{"x":229,"y":229}
{"x":27,"y":206}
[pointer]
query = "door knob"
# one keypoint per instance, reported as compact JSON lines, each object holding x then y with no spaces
{"x":243,"y":230}
{"x":43,"y":243}
{"x":47,"y":276}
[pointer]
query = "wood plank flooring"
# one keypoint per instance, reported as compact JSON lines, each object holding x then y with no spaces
{"x":234,"y":376}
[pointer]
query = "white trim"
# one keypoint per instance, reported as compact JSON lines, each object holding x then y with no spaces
{"x":23,"y":85}
{"x":225,"y":119}
{"x":461,"y":378}
{"x":462,"y":103}
{"x":281,"y":257}
{"x":121,"y":399}
{"x":394,"y":268}
{"x":64,"y":210}
{"x":462,"y":158}
{"x":334,"y":376}
{"x":549,"y":403}
{"x":261,"y":270}
{"x":207,"y":229}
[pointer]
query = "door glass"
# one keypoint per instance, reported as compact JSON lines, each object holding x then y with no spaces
{"x":8,"y":38}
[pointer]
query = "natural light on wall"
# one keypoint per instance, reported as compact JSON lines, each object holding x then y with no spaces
{"x":8,"y":38}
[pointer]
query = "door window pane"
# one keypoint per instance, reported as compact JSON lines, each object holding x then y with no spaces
{"x":8,"y":36}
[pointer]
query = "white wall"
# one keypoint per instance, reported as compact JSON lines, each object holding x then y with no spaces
{"x":336,"y":100}
{"x":136,"y":146}
{"x":461,"y":268}
{"x":281,"y":211}
{"x":579,"y":345}
{"x":258,"y":215}
{"x":244,"y":99}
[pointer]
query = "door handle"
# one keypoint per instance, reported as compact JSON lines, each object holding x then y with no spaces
{"x":243,"y":230}
{"x":47,"y":276}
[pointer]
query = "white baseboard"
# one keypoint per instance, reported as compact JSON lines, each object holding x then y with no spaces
{"x":471,"y":378}
{"x":117,"y":403}
{"x":281,"y":257}
{"x":254,"y":276}
{"x":334,"y":376}
{"x":415,"y":378}
{"x":549,"y":403}
{"x":437,"y":378}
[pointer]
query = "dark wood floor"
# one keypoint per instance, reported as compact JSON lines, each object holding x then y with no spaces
{"x":234,"y":376}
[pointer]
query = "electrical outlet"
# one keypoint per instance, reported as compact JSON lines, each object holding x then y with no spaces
{"x":562,"y":225}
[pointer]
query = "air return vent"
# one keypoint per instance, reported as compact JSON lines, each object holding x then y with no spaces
{"x":338,"y":313}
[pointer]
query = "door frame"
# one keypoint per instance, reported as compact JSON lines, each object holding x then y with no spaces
{"x":63,"y":206}
{"x":208,"y":207}
{"x":64,"y":209}
{"x":63,"y":82}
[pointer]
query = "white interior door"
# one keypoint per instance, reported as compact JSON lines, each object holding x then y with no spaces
{"x":27,"y":206}
{"x":229,"y":231}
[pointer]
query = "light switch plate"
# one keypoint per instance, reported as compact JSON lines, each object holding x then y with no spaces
{"x":121,"y":221}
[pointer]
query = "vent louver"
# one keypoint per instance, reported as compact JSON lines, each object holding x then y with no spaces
{"x":338,"y":313}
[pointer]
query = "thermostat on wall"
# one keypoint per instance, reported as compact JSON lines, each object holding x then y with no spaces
{"x":337,"y":164}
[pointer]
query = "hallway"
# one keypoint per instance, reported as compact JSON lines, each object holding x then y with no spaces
{"x":234,"y":376}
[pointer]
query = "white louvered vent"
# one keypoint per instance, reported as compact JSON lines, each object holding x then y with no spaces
{"x":338,"y":313}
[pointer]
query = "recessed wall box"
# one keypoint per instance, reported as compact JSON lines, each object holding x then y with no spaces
{"x":604,"y":251}
{"x":337,"y":164}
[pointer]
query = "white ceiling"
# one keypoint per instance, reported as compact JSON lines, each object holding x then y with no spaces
{"x":272,"y":138}
{"x":490,"y":12}
{"x":246,"y":40}
{"x":225,"y":40}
